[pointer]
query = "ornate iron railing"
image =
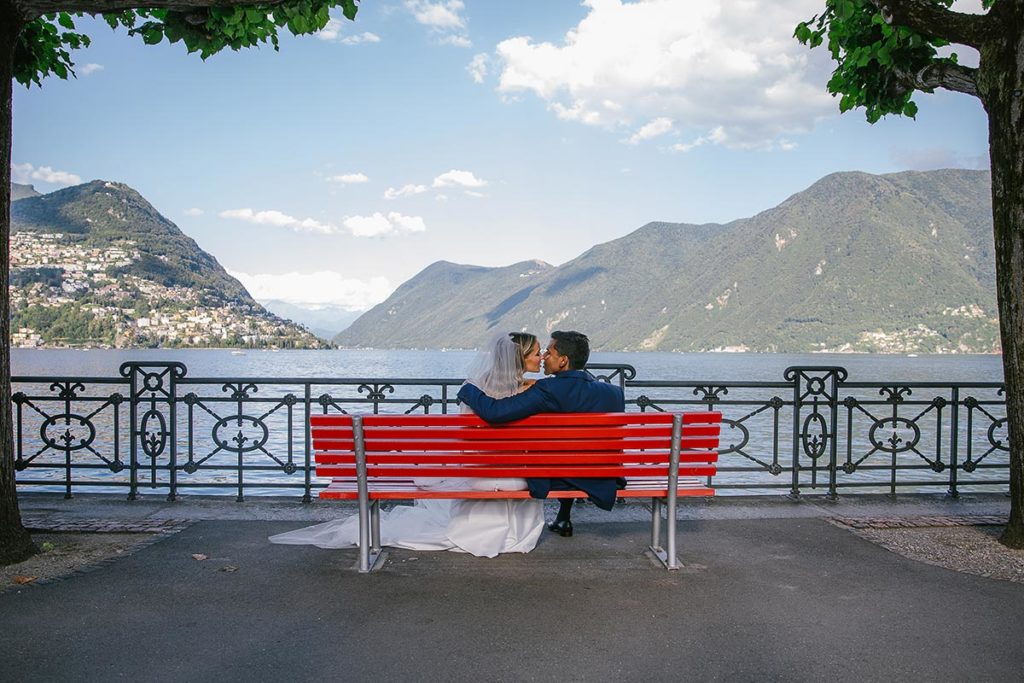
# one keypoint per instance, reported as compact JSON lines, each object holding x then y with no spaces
{"x":156,"y":428}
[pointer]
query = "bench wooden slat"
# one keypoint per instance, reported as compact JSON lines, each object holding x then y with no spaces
{"x":333,"y":449}
{"x":326,"y":458}
{"x":578,"y":445}
{"x":635,"y":488}
{"x":483,"y":433}
{"x":488,"y":471}
{"x":573,"y":419}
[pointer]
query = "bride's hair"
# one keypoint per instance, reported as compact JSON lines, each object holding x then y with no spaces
{"x":525,"y":342}
{"x":499,"y":366}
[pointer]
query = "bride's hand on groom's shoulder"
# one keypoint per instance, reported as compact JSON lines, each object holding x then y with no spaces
{"x":527,"y":383}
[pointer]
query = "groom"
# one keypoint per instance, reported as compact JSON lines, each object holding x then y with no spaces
{"x":569,"y":389}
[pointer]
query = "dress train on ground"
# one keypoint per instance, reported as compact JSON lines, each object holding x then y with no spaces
{"x":484,"y":528}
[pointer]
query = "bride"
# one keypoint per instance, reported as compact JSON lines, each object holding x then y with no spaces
{"x":482,"y":527}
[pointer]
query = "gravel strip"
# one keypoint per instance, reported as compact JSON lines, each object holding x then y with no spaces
{"x":69,"y":524}
{"x":74,"y":545}
{"x":917,"y":522}
{"x":968,"y":544}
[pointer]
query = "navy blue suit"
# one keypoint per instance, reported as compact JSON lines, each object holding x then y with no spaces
{"x":572,"y":391}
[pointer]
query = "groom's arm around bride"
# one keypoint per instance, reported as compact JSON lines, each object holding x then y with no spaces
{"x":569,"y":388}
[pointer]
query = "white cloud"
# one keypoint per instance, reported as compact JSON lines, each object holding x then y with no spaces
{"x":477,"y":68}
{"x":458,"y":178}
{"x":379,"y":225}
{"x":281,"y":220}
{"x":336,"y":26}
{"x":89,"y":69}
{"x":26,"y":173}
{"x":349,"y":178}
{"x":405,"y":190}
{"x":437,"y":15}
{"x":376,"y":225}
{"x":457,"y":41}
{"x":716,"y":136}
{"x":703,"y":66}
{"x":365,"y":37}
{"x":444,"y":20}
{"x":471,"y":193}
{"x":312,"y":290}
{"x":194,"y":212}
{"x":658,"y":126}
{"x":332,"y":30}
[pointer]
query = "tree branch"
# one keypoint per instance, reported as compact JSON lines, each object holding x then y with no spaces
{"x":949,"y":76}
{"x":33,"y":9}
{"x":932,"y":19}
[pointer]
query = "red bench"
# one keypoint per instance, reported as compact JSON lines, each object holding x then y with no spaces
{"x":377,"y":457}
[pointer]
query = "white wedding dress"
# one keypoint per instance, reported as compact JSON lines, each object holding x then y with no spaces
{"x":483,"y":528}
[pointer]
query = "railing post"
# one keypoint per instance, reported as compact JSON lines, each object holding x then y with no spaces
{"x":155,"y":383}
{"x":794,"y":489}
{"x":816,"y":387}
{"x":954,"y":442}
{"x":68,"y":393}
{"x":307,"y":401}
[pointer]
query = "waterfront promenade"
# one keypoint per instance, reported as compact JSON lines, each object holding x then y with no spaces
{"x":771,"y":590}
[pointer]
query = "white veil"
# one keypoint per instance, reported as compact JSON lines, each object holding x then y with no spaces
{"x":497,"y":369}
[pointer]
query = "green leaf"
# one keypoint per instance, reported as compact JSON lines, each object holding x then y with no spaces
{"x":41,"y":48}
{"x":910,"y":109}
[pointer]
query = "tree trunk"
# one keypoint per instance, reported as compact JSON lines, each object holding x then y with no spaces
{"x":1001,"y":82}
{"x":15,"y":543}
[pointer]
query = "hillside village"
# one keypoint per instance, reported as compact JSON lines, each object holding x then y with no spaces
{"x":64,"y":293}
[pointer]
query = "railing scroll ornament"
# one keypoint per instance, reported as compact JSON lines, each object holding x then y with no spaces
{"x":152,"y":388}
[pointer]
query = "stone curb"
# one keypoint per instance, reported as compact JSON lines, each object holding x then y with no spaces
{"x":61,"y":523}
{"x":917,"y":522}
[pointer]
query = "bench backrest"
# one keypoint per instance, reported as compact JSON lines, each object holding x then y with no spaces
{"x":548,"y":445}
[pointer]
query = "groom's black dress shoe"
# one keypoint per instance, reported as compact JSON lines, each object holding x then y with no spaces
{"x":561,"y":527}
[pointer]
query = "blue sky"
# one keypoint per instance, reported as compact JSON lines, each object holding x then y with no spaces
{"x":330,"y":172}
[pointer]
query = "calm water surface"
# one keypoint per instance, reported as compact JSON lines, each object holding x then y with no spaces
{"x":452,"y":364}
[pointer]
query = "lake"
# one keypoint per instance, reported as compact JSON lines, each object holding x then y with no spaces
{"x":759,"y":367}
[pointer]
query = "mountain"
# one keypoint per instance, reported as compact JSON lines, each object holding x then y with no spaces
{"x":325,"y":321}
{"x":98,"y":264}
{"x":857,"y":262}
{"x":103,"y":214}
{"x":447,"y":305}
{"x":22,"y":191}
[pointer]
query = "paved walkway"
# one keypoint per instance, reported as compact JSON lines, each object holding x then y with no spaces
{"x":770,"y":591}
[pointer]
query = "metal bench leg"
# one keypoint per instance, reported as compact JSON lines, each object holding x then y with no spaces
{"x":655,"y":524}
{"x":673,"y":561}
{"x":375,"y":527}
{"x":364,"y":539}
{"x":371,"y":556}
{"x":369,"y":531}
{"x":668,"y":555}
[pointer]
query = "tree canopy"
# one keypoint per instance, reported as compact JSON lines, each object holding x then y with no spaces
{"x":883,"y":58}
{"x":886,"y":51}
{"x":45,"y":44}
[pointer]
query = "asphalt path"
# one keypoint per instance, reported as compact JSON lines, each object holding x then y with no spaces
{"x":794,"y":599}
